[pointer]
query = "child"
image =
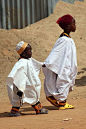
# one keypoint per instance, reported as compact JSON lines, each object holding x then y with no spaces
{"x":23,"y":83}
{"x":60,"y":67}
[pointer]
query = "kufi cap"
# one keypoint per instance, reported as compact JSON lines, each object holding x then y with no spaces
{"x":64,"y":21}
{"x":21,"y":47}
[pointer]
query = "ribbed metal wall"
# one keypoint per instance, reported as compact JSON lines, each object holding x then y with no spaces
{"x":21,"y":13}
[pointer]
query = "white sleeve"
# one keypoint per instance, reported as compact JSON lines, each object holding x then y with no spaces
{"x":37,"y":65}
{"x":18,"y":75}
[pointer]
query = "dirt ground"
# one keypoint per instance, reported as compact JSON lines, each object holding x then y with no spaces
{"x":42,"y":36}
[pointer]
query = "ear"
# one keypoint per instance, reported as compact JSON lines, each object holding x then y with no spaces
{"x":23,"y":53}
{"x":68,"y":27}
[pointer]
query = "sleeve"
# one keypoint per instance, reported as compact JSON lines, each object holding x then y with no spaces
{"x":18,"y":76}
{"x":20,"y":79}
{"x":57,"y":57}
{"x":73,"y":63}
{"x":37,"y":65}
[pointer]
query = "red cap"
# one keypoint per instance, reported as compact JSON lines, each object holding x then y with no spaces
{"x":64,"y":21}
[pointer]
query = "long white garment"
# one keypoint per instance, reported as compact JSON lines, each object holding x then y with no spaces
{"x":24,"y":77}
{"x":61,"y":69}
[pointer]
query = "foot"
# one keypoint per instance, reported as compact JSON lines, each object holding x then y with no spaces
{"x":14,"y":112}
{"x":38,"y":108}
{"x":52,"y":100}
{"x":43,"y":111}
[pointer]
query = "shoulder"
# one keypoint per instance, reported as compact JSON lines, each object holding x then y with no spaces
{"x":22,"y":60}
{"x":64,"y":38}
{"x":62,"y":41}
{"x":22,"y":63}
{"x":19,"y":66}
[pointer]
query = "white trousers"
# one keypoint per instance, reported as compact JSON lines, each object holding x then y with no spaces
{"x":56,"y":86}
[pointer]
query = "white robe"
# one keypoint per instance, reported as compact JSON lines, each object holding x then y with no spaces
{"x":61,"y":69}
{"x":24,"y":77}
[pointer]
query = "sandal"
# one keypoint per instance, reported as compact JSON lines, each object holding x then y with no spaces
{"x":14,"y":112}
{"x":66,"y":106}
{"x":43,"y":111}
{"x":38,"y":108}
{"x":52,"y":100}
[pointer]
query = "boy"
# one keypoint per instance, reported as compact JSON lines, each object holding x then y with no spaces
{"x":23,"y":83}
{"x":60,"y":67}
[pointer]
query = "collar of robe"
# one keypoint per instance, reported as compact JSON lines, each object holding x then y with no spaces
{"x":21,"y":58}
{"x":65,"y":34}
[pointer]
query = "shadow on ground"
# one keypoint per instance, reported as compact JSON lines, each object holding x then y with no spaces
{"x":27,"y":111}
{"x":82,"y":80}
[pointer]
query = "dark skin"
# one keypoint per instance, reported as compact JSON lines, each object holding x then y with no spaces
{"x":70,"y":28}
{"x":27,"y":53}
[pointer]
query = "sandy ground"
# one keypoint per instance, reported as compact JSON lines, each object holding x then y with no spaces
{"x":42,"y":36}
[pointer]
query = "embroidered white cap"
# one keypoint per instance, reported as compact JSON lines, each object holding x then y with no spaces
{"x":21,"y":47}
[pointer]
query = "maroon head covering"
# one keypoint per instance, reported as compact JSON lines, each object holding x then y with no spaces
{"x":64,"y":21}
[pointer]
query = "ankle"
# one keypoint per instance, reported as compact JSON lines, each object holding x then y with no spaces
{"x":62,"y":103}
{"x":14,"y":109}
{"x":37,"y":107}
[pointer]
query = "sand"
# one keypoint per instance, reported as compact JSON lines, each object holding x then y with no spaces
{"x":42,"y":36}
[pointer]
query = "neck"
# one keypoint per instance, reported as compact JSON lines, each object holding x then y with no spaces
{"x":66,"y":32}
{"x":22,"y":57}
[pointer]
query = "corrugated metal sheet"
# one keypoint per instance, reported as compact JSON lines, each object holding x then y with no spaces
{"x":21,"y":13}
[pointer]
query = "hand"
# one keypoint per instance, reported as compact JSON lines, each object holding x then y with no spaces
{"x":19,"y":93}
{"x":43,"y":65}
